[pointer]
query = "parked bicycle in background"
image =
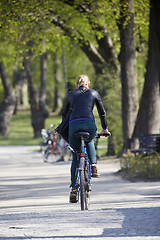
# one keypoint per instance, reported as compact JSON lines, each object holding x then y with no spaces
{"x":53,"y":147}
{"x":49,"y":144}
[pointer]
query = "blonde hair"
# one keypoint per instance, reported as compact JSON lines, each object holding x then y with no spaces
{"x":82,"y":80}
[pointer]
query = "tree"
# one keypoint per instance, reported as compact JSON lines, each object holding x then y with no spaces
{"x":38,"y":109}
{"x":155,"y":8}
{"x":148,"y":118}
{"x":128,"y":71}
{"x":58,"y":81}
{"x":8,"y":105}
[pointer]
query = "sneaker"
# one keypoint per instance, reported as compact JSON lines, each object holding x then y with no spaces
{"x":74,"y":195}
{"x":94,"y":171}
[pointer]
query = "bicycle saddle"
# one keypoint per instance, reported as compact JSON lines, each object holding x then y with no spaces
{"x":82,"y":134}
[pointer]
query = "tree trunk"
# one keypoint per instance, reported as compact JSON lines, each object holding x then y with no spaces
{"x":24,"y":96}
{"x":42,"y":93}
{"x":21,"y":89}
{"x":8,"y":105}
{"x":111,"y":148}
{"x":128,"y":72}
{"x":148,"y":119}
{"x":57,"y":106}
{"x":155,"y":10}
{"x":107,"y":50}
{"x":38,"y":111}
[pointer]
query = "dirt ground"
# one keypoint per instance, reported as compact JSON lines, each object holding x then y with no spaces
{"x":34,"y":202}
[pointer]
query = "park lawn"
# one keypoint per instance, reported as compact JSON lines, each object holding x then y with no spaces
{"x":21,"y":131}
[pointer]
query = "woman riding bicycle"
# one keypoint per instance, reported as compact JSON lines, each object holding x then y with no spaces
{"x":82,"y":100}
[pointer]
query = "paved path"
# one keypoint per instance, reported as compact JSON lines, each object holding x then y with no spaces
{"x":34,"y":202}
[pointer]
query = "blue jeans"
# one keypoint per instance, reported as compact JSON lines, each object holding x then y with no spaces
{"x":75,"y":143}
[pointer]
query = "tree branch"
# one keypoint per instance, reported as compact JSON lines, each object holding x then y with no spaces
{"x":86,"y":46}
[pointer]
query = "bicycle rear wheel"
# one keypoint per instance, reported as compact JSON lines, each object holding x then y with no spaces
{"x":87,"y":185}
{"x":86,"y":200}
{"x":82,"y":190}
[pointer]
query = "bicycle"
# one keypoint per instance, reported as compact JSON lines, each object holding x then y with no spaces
{"x":83,"y":171}
{"x":49,"y":146}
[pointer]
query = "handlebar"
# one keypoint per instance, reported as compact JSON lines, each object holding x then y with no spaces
{"x":103,"y":135}
{"x":98,"y":135}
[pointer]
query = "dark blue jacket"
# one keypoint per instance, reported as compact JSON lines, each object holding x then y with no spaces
{"x":82,"y":101}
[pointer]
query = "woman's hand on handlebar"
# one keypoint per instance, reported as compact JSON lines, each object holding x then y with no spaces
{"x":104,"y":133}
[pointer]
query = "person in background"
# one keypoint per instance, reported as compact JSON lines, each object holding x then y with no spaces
{"x":82,"y":100}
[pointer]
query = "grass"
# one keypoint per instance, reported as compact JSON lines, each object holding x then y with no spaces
{"x":21,"y":131}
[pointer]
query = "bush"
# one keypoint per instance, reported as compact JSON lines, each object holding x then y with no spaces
{"x":142,"y":166}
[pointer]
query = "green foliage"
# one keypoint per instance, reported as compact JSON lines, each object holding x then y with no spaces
{"x":141,"y":18}
{"x":76,"y":64}
{"x":142,"y":166}
{"x":32,"y":20}
{"x":27,"y":21}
